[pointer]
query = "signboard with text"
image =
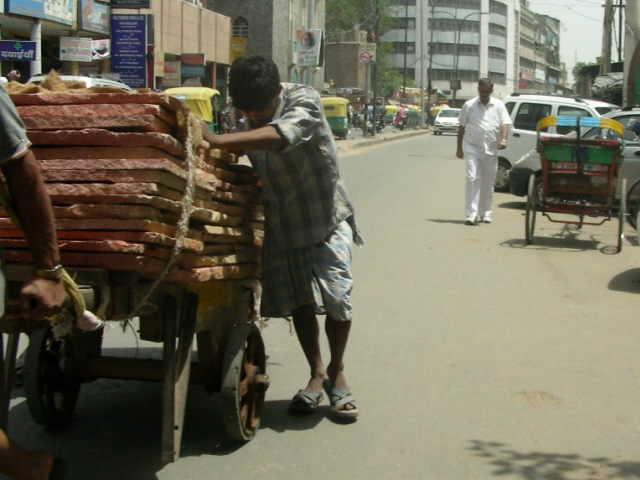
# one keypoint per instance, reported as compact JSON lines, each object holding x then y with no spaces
{"x":129,"y":49}
{"x":309,"y":47}
{"x":75,"y":49}
{"x":17,"y":50}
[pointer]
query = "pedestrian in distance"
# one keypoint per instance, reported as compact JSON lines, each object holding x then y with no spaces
{"x":43,"y":294}
{"x":309,"y":220}
{"x":484,"y":125}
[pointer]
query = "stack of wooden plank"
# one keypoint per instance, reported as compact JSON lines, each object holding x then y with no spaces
{"x":116,"y":166}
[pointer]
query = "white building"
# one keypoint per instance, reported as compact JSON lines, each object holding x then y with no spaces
{"x":455,"y":42}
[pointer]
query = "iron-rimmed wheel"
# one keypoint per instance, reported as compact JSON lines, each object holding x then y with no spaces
{"x":530,"y":217}
{"x":622,"y":214}
{"x":51,"y":394}
{"x":244,"y":382}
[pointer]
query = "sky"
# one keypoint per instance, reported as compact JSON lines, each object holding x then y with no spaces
{"x":581,"y":31}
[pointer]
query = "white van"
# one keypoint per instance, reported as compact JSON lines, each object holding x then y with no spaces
{"x":88,"y":81}
{"x":526,"y":110}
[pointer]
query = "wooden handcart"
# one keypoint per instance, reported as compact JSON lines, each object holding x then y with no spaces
{"x":578,"y":177}
{"x":216,"y":315}
{"x":153,"y":224}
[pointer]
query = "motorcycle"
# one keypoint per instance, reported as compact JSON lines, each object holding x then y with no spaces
{"x":400,"y":119}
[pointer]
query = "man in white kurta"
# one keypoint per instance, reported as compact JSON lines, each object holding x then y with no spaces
{"x":484,"y":125}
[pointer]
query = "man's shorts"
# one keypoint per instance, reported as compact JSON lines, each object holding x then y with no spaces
{"x":319,"y":276}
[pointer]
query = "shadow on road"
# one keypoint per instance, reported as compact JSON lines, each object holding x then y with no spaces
{"x":551,"y":466}
{"x":627,"y":281}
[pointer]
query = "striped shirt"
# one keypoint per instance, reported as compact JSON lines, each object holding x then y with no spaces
{"x":304,"y":196}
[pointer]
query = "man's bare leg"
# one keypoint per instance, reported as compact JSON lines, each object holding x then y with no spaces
{"x":308,"y":332}
{"x":338,"y":335}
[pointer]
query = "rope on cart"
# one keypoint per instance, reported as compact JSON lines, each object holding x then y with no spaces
{"x":62,"y":322}
{"x":182,"y":226}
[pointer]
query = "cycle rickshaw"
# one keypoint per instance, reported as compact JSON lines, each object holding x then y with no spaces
{"x":578,"y":176}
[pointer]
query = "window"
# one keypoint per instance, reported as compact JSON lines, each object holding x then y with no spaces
{"x":529,"y":114}
{"x":566,"y":111}
{"x":466,"y":4}
{"x":498,"y":53}
{"x":497,"y":7}
{"x":403,"y":23}
{"x":240,"y":27}
{"x":400,"y":47}
{"x":498,"y":30}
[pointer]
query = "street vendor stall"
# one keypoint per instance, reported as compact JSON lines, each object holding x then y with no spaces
{"x":154,"y":224}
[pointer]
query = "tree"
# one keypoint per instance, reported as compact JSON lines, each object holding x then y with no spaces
{"x":372,"y":16}
{"x":347,"y":15}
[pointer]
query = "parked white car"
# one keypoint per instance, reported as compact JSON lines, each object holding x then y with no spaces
{"x":88,"y":81}
{"x":526,"y":110}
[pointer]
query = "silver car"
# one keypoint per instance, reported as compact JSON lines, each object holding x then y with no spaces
{"x":529,"y":164}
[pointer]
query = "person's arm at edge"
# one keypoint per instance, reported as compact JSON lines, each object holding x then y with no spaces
{"x":33,"y":207}
{"x":263,"y":138}
{"x":459,"y":152}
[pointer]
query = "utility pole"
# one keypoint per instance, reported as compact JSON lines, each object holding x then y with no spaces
{"x":406,"y":37}
{"x":605,"y":62}
{"x":431,"y":24}
{"x":620,"y":6}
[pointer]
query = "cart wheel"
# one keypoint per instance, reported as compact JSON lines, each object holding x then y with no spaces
{"x":633,"y":203}
{"x":622,"y":214}
{"x":532,"y":200}
{"x":244,"y":382}
{"x":51,"y":395}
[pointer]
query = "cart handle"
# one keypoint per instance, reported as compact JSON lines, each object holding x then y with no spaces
{"x":570,"y":121}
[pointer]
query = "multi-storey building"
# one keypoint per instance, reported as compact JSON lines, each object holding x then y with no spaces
{"x":455,"y":42}
{"x":269,"y":28}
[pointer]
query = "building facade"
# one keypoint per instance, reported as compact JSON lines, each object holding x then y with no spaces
{"x":270,"y":29}
{"x":455,"y":42}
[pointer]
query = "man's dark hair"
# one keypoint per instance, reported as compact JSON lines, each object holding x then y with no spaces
{"x":485,"y":82}
{"x":253,"y":81}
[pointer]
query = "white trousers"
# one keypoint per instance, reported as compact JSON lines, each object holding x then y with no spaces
{"x":481,"y":176}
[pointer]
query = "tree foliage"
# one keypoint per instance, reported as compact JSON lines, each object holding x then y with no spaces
{"x":374,"y":17}
{"x":347,"y":15}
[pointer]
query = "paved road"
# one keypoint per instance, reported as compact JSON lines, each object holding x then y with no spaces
{"x":473,"y":356}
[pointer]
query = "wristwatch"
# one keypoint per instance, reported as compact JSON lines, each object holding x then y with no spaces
{"x":53,"y":274}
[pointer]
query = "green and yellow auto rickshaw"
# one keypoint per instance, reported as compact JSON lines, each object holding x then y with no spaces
{"x":336,"y":111}
{"x":203,"y":102}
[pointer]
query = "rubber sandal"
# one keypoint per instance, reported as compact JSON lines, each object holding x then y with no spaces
{"x":305,"y":401}
{"x":340,"y":398}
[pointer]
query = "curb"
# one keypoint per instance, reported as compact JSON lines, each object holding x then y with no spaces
{"x":388,"y":137}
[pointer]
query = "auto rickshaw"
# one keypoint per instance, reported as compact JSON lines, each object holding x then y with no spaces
{"x":336,"y":111}
{"x":202,"y":101}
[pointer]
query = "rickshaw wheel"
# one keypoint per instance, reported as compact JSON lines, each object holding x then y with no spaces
{"x":51,"y":394}
{"x":633,"y":202}
{"x":622,"y":214}
{"x":530,"y":217}
{"x":244,"y":382}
